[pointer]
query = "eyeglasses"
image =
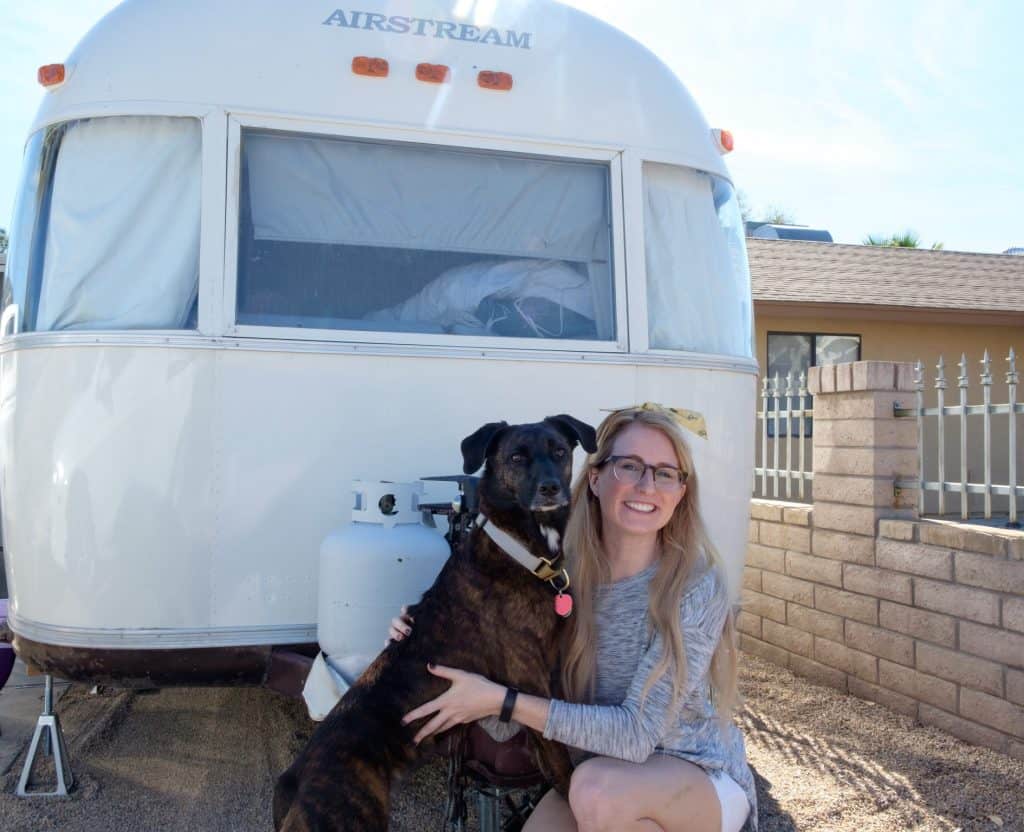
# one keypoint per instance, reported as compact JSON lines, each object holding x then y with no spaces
{"x":632,"y":469}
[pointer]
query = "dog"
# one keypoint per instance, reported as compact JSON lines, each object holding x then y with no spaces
{"x":485,"y":613}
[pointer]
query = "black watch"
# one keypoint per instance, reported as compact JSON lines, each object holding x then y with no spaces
{"x":508,"y":705}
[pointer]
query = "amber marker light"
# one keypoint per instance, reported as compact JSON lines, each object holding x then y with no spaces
{"x":494,"y":80}
{"x":723,"y":140}
{"x":432,"y":73}
{"x":370,"y":67}
{"x":51,"y":75}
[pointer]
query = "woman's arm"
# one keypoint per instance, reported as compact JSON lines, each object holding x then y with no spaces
{"x":631,"y":731}
{"x":472,"y":697}
{"x":628,"y":731}
{"x":531,"y":711}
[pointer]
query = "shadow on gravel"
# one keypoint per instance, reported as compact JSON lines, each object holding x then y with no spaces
{"x":842,"y":764}
{"x":825,"y":759}
{"x":771,"y":817}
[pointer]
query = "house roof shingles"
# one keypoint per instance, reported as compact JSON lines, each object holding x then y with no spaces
{"x":805,"y":272}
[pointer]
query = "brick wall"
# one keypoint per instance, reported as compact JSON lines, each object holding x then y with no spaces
{"x":925,"y":617}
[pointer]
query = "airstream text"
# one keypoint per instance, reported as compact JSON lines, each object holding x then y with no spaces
{"x":424,"y":27}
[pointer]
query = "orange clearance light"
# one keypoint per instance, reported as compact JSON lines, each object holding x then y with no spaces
{"x":371,"y":67}
{"x":724,"y":140}
{"x":51,"y":75}
{"x":432,"y":73}
{"x":494,"y":80}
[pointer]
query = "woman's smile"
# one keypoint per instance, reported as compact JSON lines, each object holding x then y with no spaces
{"x":645,"y":508}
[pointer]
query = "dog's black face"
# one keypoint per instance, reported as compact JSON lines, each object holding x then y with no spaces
{"x":528,"y":466}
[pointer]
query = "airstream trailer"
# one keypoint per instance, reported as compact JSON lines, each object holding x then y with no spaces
{"x":263,"y":249}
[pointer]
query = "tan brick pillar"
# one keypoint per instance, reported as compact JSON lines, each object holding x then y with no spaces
{"x":860,"y":449}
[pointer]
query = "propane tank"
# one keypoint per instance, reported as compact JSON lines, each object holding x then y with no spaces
{"x":386,"y":557}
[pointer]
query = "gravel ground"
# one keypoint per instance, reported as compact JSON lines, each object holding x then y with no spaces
{"x":206,"y":759}
{"x":832,"y":763}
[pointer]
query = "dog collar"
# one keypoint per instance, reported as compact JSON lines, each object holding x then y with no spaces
{"x":541,"y":567}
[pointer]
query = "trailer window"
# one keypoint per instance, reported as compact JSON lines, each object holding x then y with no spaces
{"x":24,"y":217}
{"x":107,"y":233}
{"x":698,"y":281}
{"x":358,"y":235}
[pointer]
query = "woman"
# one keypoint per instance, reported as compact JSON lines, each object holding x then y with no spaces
{"x":650,"y":644}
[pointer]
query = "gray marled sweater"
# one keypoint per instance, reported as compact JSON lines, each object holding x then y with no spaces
{"x":615,"y":725}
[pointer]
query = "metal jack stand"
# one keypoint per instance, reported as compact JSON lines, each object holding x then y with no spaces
{"x":500,"y":811}
{"x":47,"y":730}
{"x":490,"y":809}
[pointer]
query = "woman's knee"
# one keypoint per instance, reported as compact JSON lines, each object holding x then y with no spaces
{"x":593,"y":795}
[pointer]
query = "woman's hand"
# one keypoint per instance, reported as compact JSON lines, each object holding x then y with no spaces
{"x":470,"y":697}
{"x":400,"y":627}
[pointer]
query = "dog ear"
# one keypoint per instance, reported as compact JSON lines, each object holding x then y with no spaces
{"x":476,"y":445}
{"x":575,"y":431}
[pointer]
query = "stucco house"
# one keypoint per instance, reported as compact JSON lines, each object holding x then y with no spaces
{"x":827,"y":302}
{"x":819,"y":302}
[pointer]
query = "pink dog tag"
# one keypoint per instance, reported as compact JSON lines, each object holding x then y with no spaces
{"x":563,"y":604}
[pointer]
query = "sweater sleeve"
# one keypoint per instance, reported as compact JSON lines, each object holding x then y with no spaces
{"x":630,"y":731}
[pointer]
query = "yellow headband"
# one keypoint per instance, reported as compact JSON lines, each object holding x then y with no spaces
{"x":689,"y":419}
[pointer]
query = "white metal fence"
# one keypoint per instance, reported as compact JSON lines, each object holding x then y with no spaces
{"x":1004,"y":463}
{"x":784,"y":428}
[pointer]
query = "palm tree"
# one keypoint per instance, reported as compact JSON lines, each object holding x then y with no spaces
{"x":779,"y":216}
{"x":3,"y":240}
{"x":746,"y":212}
{"x":906,"y":239}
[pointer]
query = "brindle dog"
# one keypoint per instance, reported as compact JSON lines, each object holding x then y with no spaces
{"x":485,"y":613}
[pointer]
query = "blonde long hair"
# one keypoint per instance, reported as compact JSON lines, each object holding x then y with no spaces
{"x":681,"y":541}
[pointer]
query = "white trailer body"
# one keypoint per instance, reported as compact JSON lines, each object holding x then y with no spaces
{"x":247,"y":268}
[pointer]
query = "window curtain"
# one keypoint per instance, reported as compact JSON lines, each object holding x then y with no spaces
{"x":122,"y":250}
{"x":697,"y":296}
{"x":320,"y":190}
{"x":331,"y":191}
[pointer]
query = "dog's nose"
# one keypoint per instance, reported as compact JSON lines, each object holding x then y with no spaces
{"x":549,"y":488}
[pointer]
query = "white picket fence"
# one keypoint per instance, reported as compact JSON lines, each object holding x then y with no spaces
{"x":962,"y":437}
{"x":959,"y":415}
{"x":784,"y":425}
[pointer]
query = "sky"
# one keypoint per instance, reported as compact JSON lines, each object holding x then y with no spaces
{"x":859,"y":117}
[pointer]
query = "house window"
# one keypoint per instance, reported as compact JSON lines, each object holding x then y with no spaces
{"x":796,"y":353}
